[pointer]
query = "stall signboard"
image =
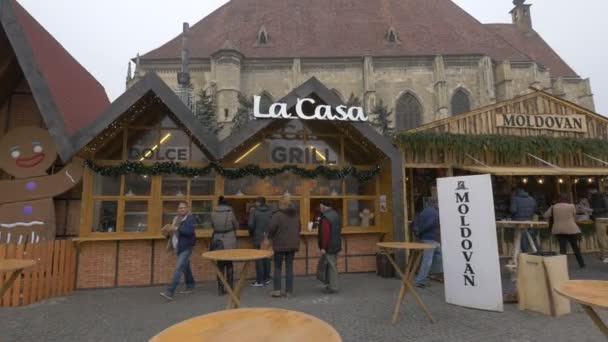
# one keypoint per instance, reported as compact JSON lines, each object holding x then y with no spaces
{"x":321,"y":112}
{"x":564,"y":123}
{"x":469,"y":242}
{"x":165,"y":153}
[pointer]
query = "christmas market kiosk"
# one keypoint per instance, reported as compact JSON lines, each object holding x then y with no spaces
{"x":539,"y":142}
{"x":147,"y":153}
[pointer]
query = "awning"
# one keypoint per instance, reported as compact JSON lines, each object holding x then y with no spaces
{"x":536,"y":171}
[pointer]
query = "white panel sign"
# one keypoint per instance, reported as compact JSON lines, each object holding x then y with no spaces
{"x":469,"y":243}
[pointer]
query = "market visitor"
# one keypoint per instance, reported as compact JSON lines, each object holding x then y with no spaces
{"x":565,"y":227}
{"x":259,"y":220}
{"x":523,"y":208}
{"x":330,"y":242}
{"x":600,"y":217}
{"x":427,"y":228}
{"x":224,"y":225}
{"x":284,"y":232}
{"x":183,"y":240}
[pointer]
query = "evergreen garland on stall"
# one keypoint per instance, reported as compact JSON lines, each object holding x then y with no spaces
{"x":166,"y":168}
{"x":513,"y":148}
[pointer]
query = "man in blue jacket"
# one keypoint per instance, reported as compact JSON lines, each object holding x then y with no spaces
{"x":426,"y":226}
{"x":523,"y":208}
{"x":184,"y":238}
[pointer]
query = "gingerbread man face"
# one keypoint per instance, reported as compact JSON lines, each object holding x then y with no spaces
{"x":27,"y":152}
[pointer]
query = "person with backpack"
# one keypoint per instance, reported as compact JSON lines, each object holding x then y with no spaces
{"x":224,"y":225}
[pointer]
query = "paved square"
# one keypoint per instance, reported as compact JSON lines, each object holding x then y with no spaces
{"x":360,"y":312}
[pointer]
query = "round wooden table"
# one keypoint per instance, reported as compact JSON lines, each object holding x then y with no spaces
{"x":251,"y":325}
{"x":415,"y":258}
{"x":235,"y":255}
{"x":589,"y":294}
{"x":16,"y":266}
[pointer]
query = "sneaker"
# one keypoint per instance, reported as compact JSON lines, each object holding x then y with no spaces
{"x":256,"y":284}
{"x":422,"y":285}
{"x":605,"y":261}
{"x":186,"y":291}
{"x":267,"y":282}
{"x":166,"y":295}
{"x":275,"y":294}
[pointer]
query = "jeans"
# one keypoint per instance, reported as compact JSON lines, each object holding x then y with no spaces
{"x":278,"y":265}
{"x":262,"y":267}
{"x":431,"y":261}
{"x":564,"y":239}
{"x":525,"y":244}
{"x":182,"y":266}
{"x":332,"y":272}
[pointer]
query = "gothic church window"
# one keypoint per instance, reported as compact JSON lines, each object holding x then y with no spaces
{"x":408,"y":112}
{"x":263,"y":36}
{"x":391,"y":35}
{"x":460,"y":102}
{"x":265,"y":102}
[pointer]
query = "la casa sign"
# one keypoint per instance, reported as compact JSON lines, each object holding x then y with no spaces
{"x":322,"y":112}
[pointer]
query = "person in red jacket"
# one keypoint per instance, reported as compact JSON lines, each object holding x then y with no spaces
{"x":330,"y":242}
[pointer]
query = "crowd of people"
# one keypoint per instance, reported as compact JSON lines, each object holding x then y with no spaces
{"x":280,"y":229}
{"x":276,"y":229}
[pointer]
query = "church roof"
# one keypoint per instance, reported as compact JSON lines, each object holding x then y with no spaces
{"x":342,"y":28}
{"x":68,"y":96}
{"x":534,"y":46}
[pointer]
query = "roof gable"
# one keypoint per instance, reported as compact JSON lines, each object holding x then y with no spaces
{"x":538,"y":103}
{"x":149,"y":83}
{"x":66,"y":94}
{"x":312,"y":86}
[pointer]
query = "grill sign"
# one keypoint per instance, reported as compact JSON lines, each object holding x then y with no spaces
{"x":322,"y":112}
{"x":565,"y":123}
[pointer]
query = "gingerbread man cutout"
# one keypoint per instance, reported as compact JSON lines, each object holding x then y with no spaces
{"x":27,"y":210}
{"x":366,"y":217}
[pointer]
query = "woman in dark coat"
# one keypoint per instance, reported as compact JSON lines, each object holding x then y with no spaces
{"x":284,"y":232}
{"x":224,"y":224}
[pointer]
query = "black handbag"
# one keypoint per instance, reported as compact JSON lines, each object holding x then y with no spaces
{"x":216,"y":244}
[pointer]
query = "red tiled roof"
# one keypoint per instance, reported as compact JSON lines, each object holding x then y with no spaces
{"x":77,"y":94}
{"x":535,"y":47}
{"x":341,"y":28}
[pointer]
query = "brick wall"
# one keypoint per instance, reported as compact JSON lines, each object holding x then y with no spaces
{"x":147,"y":262}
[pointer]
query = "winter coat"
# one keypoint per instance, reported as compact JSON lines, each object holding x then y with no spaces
{"x":259,"y":220}
{"x":284,"y":230}
{"x":186,"y":233}
{"x":426,"y":224}
{"x":335,"y":231}
{"x":564,"y":219}
{"x":224,"y":225}
{"x":523,"y":206}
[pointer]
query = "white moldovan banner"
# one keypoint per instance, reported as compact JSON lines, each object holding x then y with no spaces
{"x":469,"y":244}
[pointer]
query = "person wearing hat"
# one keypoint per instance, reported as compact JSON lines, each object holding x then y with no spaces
{"x":330,"y":242}
{"x":284,"y":232}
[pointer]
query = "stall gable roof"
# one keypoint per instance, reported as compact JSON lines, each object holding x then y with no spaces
{"x":483,"y":120}
{"x":150,"y":83}
{"x":67,"y":95}
{"x":312,"y":86}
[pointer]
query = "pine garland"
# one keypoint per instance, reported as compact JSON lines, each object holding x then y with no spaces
{"x":165,"y":168}
{"x":513,"y":148}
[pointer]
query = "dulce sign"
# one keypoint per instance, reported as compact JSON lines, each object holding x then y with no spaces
{"x":166,"y":153}
{"x":565,"y":123}
{"x":322,"y":112}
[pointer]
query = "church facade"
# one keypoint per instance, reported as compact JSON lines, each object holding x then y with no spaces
{"x":426,"y":60}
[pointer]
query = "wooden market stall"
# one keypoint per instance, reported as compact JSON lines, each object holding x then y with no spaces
{"x":147,"y":153}
{"x":537,"y":141}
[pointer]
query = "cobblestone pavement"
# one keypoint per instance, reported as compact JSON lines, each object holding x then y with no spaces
{"x":360,"y":312}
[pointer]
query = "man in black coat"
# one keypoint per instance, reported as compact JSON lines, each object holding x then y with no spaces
{"x":259,"y":221}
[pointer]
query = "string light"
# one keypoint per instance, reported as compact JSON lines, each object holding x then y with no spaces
{"x":541,"y":181}
{"x":525,"y":180}
{"x":561,"y":181}
{"x":590,"y":180}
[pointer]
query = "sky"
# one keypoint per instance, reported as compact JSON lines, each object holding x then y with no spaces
{"x":104,"y":35}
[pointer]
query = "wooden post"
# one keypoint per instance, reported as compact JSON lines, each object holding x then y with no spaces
{"x":406,"y":226}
